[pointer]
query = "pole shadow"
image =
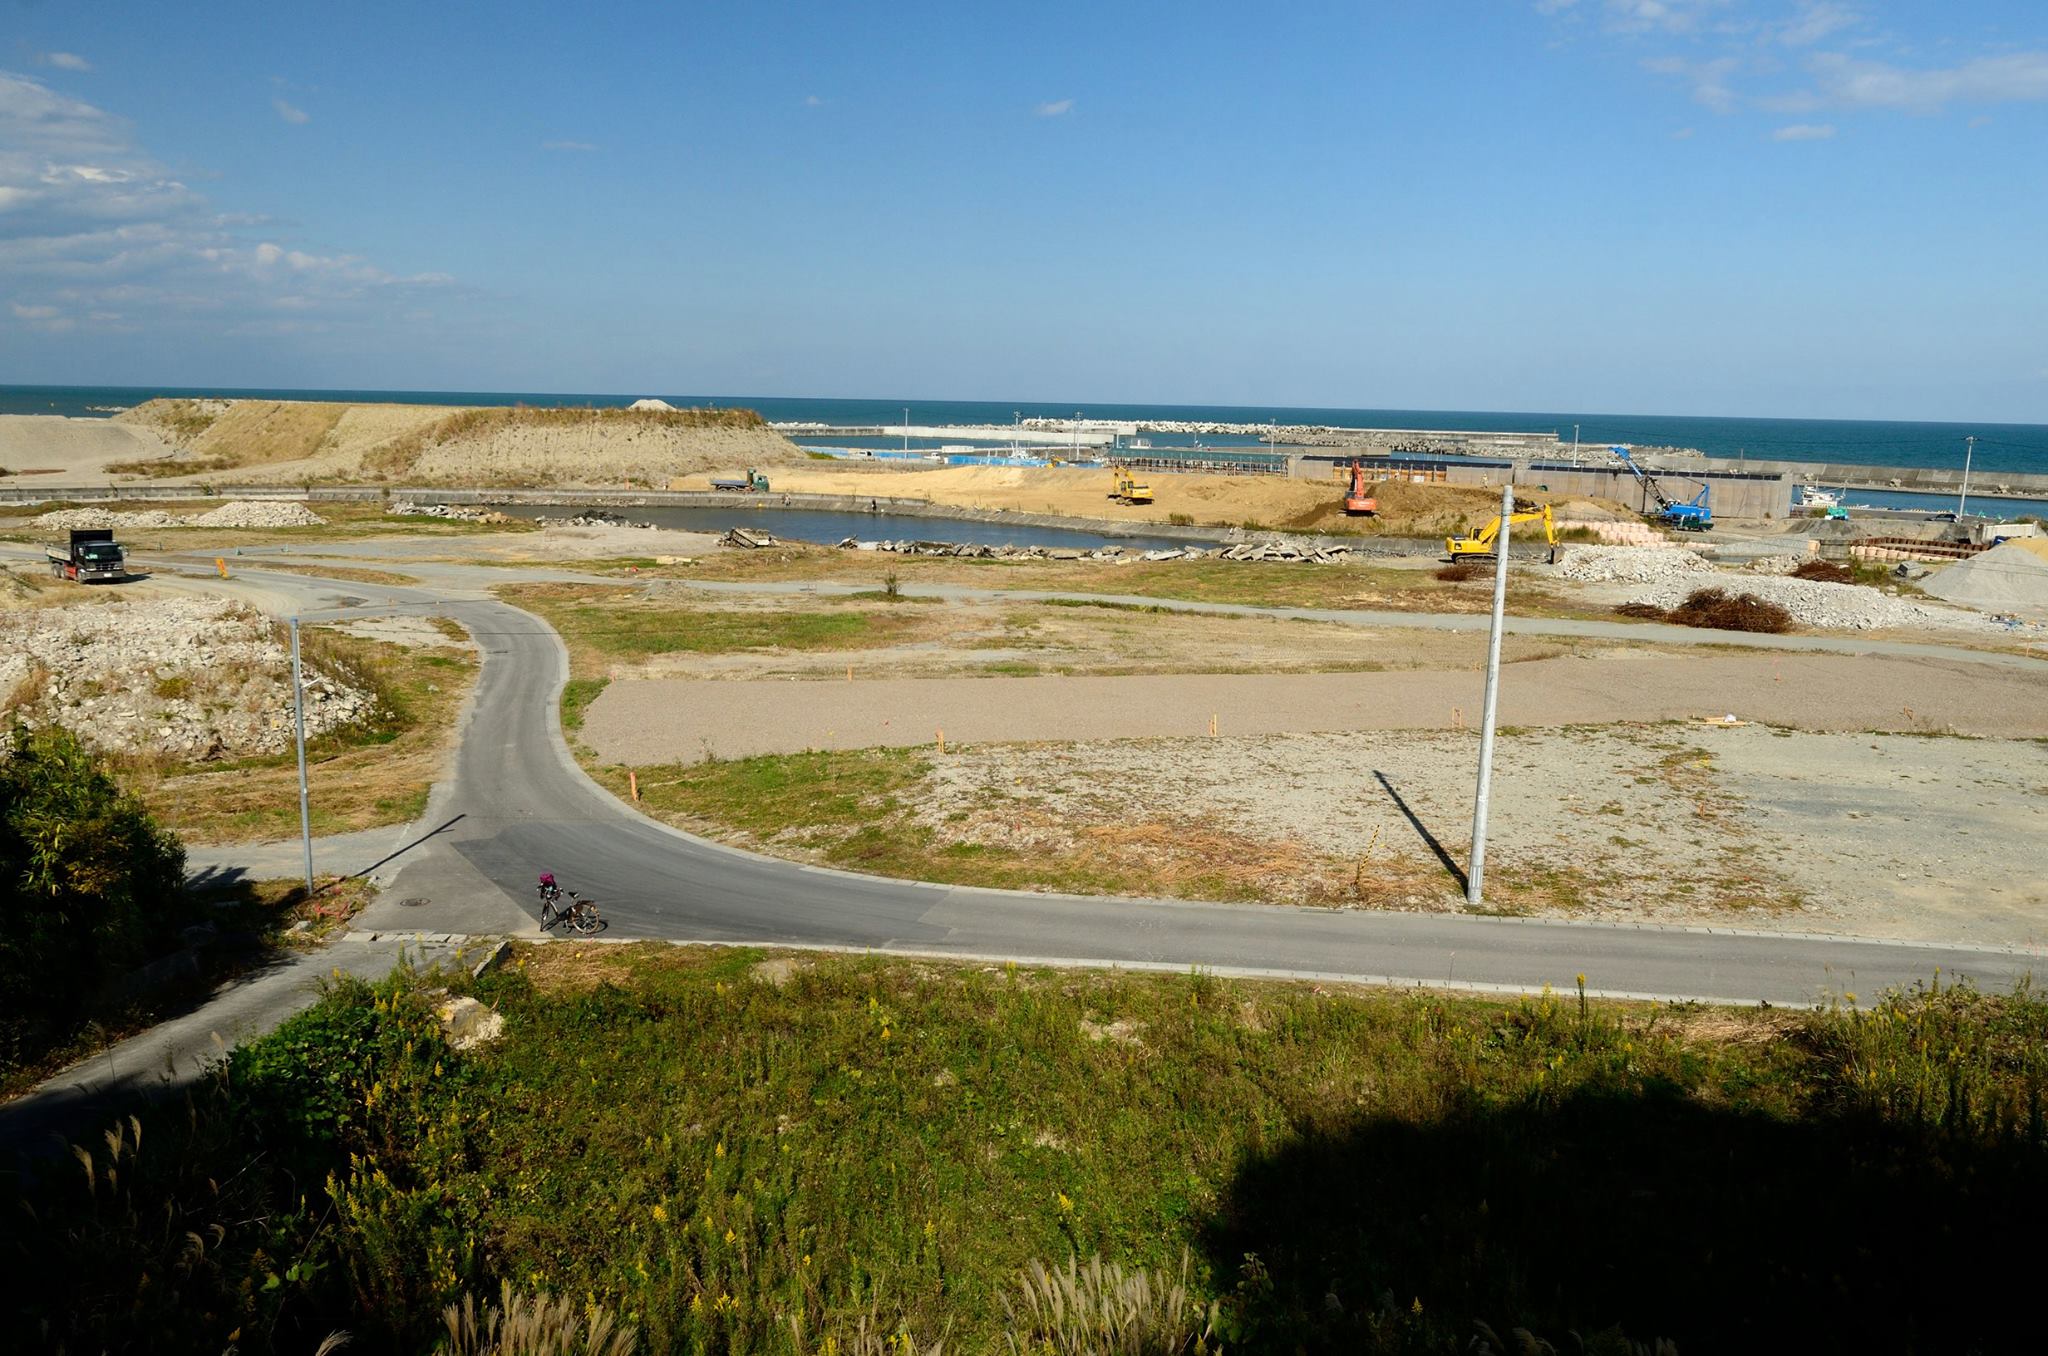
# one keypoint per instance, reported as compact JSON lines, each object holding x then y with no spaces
{"x":1450,"y":863}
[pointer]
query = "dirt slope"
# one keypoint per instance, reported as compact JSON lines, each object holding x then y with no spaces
{"x":292,"y":441}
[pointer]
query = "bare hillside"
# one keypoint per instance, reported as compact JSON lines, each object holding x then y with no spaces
{"x":287,"y":440}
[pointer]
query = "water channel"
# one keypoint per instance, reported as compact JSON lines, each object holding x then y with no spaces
{"x":829,"y":528}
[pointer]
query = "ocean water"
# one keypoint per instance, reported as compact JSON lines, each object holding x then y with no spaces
{"x":2000,"y":447}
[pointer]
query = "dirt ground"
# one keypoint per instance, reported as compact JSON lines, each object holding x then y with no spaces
{"x":1225,"y":501}
{"x":1883,"y":835}
{"x":667,"y":720}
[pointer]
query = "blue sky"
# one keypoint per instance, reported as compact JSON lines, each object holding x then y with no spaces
{"x":1764,"y":207}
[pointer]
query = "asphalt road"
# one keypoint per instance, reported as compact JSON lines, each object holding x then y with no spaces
{"x":518,"y":805}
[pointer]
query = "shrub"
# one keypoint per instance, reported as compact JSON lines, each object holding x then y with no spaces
{"x":1643,"y":611}
{"x":1181,"y":519}
{"x":1826,"y":571}
{"x":1458,"y":572}
{"x":90,"y":886}
{"x":1719,"y":610}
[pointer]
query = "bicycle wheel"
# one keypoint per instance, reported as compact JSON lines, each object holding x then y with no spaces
{"x":584,"y":918}
{"x":548,"y":916}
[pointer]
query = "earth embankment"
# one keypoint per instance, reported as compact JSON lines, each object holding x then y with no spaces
{"x":289,"y":441}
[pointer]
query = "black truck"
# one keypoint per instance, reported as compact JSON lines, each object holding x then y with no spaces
{"x":93,"y":554}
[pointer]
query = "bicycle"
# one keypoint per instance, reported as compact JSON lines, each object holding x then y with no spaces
{"x":579,"y":913}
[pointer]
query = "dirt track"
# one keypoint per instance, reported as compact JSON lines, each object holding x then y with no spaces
{"x":666,"y":720}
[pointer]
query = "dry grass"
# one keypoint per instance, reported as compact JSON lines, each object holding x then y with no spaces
{"x":1716,"y":610}
{"x":247,"y":433}
{"x":399,"y":456}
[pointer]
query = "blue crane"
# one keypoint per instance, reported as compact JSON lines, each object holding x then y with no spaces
{"x":1692,"y":515}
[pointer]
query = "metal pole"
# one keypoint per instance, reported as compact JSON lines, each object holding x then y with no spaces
{"x":1969,"y":446}
{"x":299,"y":719}
{"x":1575,"y":444}
{"x":906,"y":428}
{"x":1475,"y":870}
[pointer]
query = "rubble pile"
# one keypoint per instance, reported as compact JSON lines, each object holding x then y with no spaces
{"x":1281,"y":551}
{"x":234,"y":513}
{"x":460,"y":513}
{"x":1629,"y":564}
{"x":1844,"y":607}
{"x":187,"y":678}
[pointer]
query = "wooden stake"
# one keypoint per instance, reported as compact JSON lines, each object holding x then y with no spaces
{"x":942,"y":740}
{"x":633,"y":781}
{"x":849,"y":673}
{"x":1212,"y":723}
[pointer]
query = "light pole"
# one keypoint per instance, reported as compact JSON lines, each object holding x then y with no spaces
{"x":906,"y":428}
{"x":1969,"y":446}
{"x":1475,"y":869}
{"x":299,"y":720}
{"x":1575,"y":444}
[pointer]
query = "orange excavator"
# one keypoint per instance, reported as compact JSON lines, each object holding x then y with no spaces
{"x":1357,"y":503}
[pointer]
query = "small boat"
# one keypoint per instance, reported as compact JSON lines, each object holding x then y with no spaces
{"x":1814,"y":497}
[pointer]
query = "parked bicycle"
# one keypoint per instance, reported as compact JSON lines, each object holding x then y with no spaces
{"x":566,"y":906}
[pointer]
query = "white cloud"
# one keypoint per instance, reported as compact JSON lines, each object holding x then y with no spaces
{"x":561,"y":144}
{"x":1804,"y":131}
{"x":1658,"y":16}
{"x":297,"y":117}
{"x":96,"y":234}
{"x":1057,"y":108}
{"x":1709,"y":80}
{"x":813,"y":101}
{"x":1814,"y":20}
{"x":1682,"y":134}
{"x":2015,"y":77}
{"x":65,"y":61}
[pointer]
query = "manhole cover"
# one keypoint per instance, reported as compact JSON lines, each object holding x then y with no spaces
{"x":412,"y":903}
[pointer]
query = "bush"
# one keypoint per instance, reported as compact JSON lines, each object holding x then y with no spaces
{"x":1641,"y":611}
{"x":1459,"y":572}
{"x":1719,"y":610}
{"x":90,"y":887}
{"x":1826,"y":571}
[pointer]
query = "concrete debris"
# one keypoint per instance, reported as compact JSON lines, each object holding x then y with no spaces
{"x":596,"y":518}
{"x":1629,"y":564}
{"x":194,"y":678}
{"x":1784,"y":564}
{"x":749,"y":538}
{"x":461,"y":513}
{"x":1845,"y":607}
{"x":1318,"y":553}
{"x":234,"y":513}
{"x":466,"y":1023}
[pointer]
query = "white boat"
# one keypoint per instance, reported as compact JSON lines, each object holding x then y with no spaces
{"x":1813,"y":496}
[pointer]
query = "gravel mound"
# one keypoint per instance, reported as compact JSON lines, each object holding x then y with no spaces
{"x":2007,"y":576}
{"x":259,"y":513}
{"x":235,"y":513}
{"x":63,"y":520}
{"x":1629,"y":564}
{"x":1844,"y":607}
{"x":189,"y":678}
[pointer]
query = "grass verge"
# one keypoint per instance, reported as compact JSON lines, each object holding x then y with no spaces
{"x":790,"y":1154}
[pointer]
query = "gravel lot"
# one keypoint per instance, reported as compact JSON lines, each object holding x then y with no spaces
{"x":670,"y":719}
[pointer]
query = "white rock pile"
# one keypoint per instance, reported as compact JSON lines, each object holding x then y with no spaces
{"x":460,"y":513}
{"x":1629,"y":564}
{"x":234,"y":513}
{"x":1812,"y":602}
{"x":188,"y":678}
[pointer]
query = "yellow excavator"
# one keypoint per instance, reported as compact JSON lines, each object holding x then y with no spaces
{"x":1128,"y":489}
{"x":1480,"y":544}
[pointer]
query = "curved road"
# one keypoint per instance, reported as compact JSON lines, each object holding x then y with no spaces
{"x":518,"y":805}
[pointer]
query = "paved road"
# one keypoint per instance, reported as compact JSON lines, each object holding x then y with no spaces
{"x":518,"y":805}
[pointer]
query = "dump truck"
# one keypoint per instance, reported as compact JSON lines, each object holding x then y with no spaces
{"x":92,"y":554}
{"x":755,"y":483}
{"x":1479,"y":546}
{"x":1357,"y":503}
{"x":1128,"y":489}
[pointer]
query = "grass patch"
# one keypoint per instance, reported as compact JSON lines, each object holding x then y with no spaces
{"x":778,"y":1154}
{"x":602,"y":624}
{"x":577,"y":695}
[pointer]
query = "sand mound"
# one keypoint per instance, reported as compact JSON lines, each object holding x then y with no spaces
{"x":2008,"y":577}
{"x":292,"y":441}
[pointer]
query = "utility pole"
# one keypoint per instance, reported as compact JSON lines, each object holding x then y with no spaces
{"x":299,"y":720}
{"x":1969,"y":446}
{"x":906,"y":428}
{"x":1575,"y":444}
{"x":1475,"y":869}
